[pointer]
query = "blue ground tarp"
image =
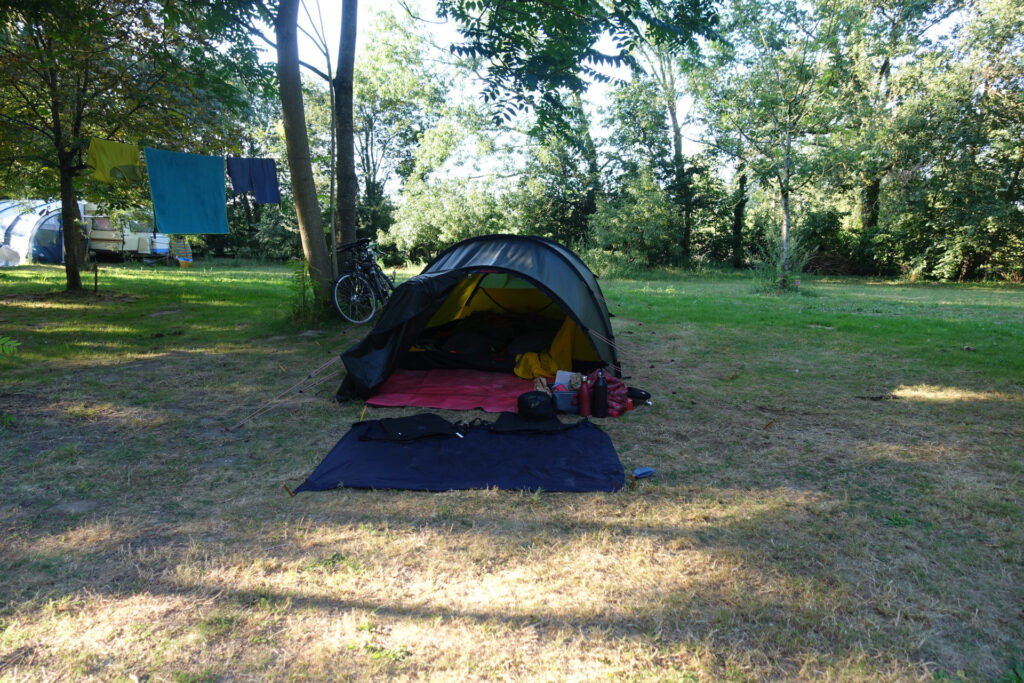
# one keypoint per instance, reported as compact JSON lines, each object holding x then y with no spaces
{"x":581,"y":458}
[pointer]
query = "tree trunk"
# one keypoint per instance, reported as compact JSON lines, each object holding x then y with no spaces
{"x":682,"y":191}
{"x":307,"y":207}
{"x":784,"y":242}
{"x":869,"y":205}
{"x":737,"y":222}
{"x":966,"y":266}
{"x":348,"y":184}
{"x":71,"y":222}
{"x":589,"y":206}
{"x":677,"y":134}
{"x":250,"y":224}
{"x":687,"y":231}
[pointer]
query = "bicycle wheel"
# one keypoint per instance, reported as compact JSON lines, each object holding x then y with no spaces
{"x":353,"y":298}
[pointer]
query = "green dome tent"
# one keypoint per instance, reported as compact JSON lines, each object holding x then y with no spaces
{"x":527,"y":281}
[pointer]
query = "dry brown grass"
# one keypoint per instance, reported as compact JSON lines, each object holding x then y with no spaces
{"x":860,"y":519}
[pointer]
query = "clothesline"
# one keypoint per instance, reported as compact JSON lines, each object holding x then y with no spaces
{"x":113,"y":161}
{"x":186,"y":189}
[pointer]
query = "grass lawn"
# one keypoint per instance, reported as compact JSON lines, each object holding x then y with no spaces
{"x":840,"y":495}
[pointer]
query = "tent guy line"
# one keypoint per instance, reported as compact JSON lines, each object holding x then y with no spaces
{"x":299,"y":387}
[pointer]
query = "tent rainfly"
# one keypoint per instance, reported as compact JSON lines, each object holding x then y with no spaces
{"x":496,"y":302}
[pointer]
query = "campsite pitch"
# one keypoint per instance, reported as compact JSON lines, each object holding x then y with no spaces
{"x":838,"y":495}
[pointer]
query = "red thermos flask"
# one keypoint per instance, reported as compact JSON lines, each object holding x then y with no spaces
{"x":583,"y":398}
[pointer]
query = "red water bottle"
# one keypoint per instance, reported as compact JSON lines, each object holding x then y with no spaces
{"x":583,"y":396}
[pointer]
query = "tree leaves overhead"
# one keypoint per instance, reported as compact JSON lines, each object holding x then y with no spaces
{"x":158,"y":73}
{"x":175,"y":73}
{"x":398,"y":97}
{"x":536,"y":51}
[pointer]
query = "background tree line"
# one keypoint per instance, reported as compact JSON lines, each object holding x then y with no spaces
{"x":871,"y":138}
{"x":876,"y":137}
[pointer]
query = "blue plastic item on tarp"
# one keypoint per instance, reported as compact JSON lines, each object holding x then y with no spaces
{"x":580,"y":458}
{"x":640,"y":473}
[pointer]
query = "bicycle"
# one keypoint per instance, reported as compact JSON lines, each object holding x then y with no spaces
{"x":358,"y":293}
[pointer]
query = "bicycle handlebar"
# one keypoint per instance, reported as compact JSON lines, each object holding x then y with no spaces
{"x":361,"y":242}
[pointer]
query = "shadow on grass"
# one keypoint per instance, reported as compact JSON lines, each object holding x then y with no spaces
{"x":773,"y":579}
{"x":803,"y":523}
{"x":757,"y":610}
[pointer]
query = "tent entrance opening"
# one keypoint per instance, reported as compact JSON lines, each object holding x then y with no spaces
{"x":499,"y":322}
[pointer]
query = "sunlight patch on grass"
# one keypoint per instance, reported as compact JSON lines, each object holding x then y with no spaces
{"x":947,"y":394}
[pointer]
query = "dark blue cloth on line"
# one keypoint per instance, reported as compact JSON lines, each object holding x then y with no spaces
{"x":581,"y":458}
{"x":258,"y":176}
{"x":264,"y":181}
{"x":188,"y":193}
{"x":238,"y":171}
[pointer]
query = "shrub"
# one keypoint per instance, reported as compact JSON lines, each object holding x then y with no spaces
{"x":638,"y":228}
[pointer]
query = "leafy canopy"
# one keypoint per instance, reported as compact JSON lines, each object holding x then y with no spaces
{"x":535,"y":52}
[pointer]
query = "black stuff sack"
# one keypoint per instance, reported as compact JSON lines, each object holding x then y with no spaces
{"x":535,"y":405}
{"x":638,"y":395}
{"x":411,"y":428}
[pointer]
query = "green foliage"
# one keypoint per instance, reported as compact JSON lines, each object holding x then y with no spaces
{"x":173,"y":74}
{"x":771,"y":275}
{"x":336,"y":561}
{"x":8,"y":346}
{"x":640,"y":135}
{"x":771,"y":95}
{"x":557,"y":191}
{"x":1014,"y":674}
{"x":398,"y":97}
{"x":904,"y":144}
{"x":153,"y":56}
{"x":205,"y":676}
{"x":897,"y":146}
{"x":271,"y":231}
{"x":435,"y":215}
{"x":301,"y":285}
{"x":837,"y":251}
{"x":535,"y":52}
{"x":956,"y":209}
{"x":393,"y":654}
{"x":895,"y":519}
{"x":636,"y":228}
{"x":257,"y":231}
{"x":930,"y":146}
{"x":217,"y":626}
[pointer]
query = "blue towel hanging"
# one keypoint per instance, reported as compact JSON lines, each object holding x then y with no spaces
{"x":188,"y":193}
